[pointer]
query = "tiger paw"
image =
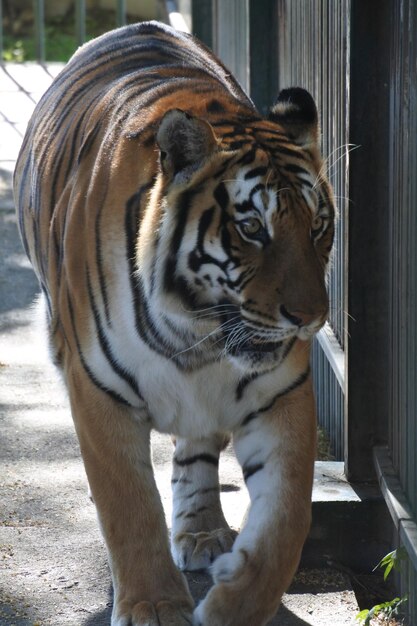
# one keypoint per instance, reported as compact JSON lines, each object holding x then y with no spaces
{"x":144,"y":613}
{"x":196,"y":551}
{"x":227,"y":604}
{"x":227,"y":567}
{"x":243,"y":594}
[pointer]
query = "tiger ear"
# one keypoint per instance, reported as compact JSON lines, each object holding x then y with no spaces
{"x":296,"y":111}
{"x":184,"y":143}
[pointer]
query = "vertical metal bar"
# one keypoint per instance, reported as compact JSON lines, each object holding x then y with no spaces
{"x":121,"y":12}
{"x":412,"y":439}
{"x":232,"y":38}
{"x":368,"y":294}
{"x":262,"y":54}
{"x":403,"y":195}
{"x":202,"y":12}
{"x":80,"y":21}
{"x":39,"y":13}
{"x":1,"y":31}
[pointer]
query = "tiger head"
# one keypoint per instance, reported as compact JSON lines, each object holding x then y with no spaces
{"x":246,"y":221}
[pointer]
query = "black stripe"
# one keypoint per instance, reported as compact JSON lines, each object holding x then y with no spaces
{"x":224,"y":167}
{"x":201,"y":492}
{"x":255,"y":189}
{"x":214,"y":106}
{"x":243,"y":383}
{"x":267,"y":130}
{"x":243,"y":279}
{"x":100,"y":268}
{"x":171,"y":281}
{"x":88,"y":142}
{"x":247,"y":158}
{"x":182,"y":480}
{"x":295,"y":169}
{"x":288,"y":348}
{"x":297,"y":383}
{"x":190,"y":514}
{"x":250,"y":470}
{"x":204,"y":457}
{"x":281,"y":150}
{"x":22,"y":209}
{"x":221,"y":196}
{"x":113,"y":394}
{"x":105,"y":345}
{"x":238,"y":144}
{"x":198,"y":256}
{"x":48,"y":299}
{"x":257,"y":171}
{"x":243,"y":119}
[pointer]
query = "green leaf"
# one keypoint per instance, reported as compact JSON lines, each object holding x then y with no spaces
{"x":362,"y":615}
{"x":392,"y":560}
{"x":388,"y":569}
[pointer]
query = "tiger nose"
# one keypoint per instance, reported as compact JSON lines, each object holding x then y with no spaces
{"x":300,"y":318}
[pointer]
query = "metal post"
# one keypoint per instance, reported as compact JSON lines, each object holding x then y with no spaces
{"x":263,"y":53}
{"x":367,"y":338}
{"x":1,"y":32}
{"x":202,"y":13}
{"x":80,"y":17}
{"x":121,"y":12}
{"x":39,"y":13}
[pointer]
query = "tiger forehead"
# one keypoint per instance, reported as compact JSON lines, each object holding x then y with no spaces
{"x":259,"y":189}
{"x":280,"y":163}
{"x":252,"y":192}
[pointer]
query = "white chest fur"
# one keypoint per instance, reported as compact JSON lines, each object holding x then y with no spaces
{"x":208,"y":400}
{"x":192,"y":404}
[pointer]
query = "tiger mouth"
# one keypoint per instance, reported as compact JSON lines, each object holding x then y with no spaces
{"x":248,"y":342}
{"x":252,"y":347}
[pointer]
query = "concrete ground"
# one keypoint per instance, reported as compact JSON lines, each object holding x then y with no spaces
{"x":53,"y":566}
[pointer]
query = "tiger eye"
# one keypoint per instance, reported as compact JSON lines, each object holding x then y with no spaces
{"x":317,"y":223}
{"x":251,"y":226}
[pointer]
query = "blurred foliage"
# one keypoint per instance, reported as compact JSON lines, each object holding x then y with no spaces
{"x":386,"y":613}
{"x":60,"y":35}
{"x":323,"y":446}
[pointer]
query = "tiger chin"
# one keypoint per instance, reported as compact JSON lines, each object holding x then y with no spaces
{"x":181,"y":242}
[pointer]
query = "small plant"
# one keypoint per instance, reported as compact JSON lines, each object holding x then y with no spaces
{"x":392,"y":560}
{"x":385,"y":612}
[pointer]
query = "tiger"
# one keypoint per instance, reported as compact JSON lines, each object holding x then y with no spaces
{"x":181,"y":241}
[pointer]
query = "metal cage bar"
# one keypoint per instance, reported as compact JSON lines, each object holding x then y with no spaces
{"x":121,"y":12}
{"x":80,"y":21}
{"x":1,"y":31}
{"x":39,"y":13}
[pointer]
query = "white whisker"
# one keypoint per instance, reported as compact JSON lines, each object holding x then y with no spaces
{"x":235,"y":338}
{"x":209,"y":308}
{"x":208,"y":315}
{"x":327,"y":166}
{"x":200,"y":341}
{"x":212,"y":311}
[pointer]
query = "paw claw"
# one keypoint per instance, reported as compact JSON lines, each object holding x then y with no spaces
{"x":197,"y":551}
{"x":163,"y":613}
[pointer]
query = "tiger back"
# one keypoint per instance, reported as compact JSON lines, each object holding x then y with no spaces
{"x":181,"y":243}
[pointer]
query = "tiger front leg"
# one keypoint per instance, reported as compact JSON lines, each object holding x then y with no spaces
{"x":276,"y":450}
{"x":148,"y":588}
{"x":200,"y":532}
